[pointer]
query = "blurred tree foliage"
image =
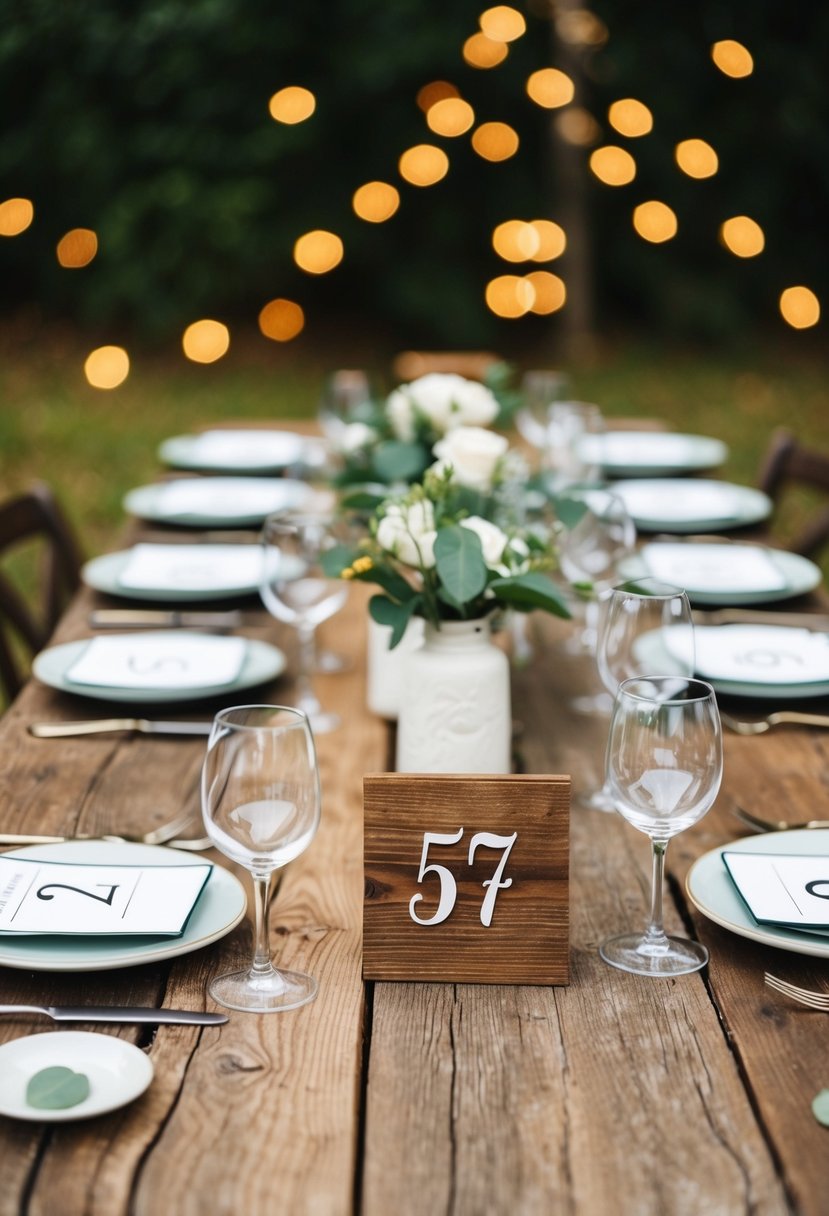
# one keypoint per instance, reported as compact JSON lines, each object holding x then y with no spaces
{"x":147,"y":121}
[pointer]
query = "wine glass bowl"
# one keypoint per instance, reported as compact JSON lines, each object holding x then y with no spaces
{"x":664,"y":769}
{"x":597,"y":533}
{"x":260,"y":795}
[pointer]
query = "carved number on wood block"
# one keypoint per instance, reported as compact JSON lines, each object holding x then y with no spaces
{"x":466,"y":878}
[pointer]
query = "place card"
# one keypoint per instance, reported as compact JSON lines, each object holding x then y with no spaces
{"x":466,"y":878}
{"x":159,"y":660}
{"x":768,"y":654}
{"x":59,"y":897}
{"x":699,"y":567}
{"x":192,"y":567}
{"x":233,"y":498}
{"x":790,"y":890}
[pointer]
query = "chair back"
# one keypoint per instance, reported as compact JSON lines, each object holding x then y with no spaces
{"x":28,"y":620}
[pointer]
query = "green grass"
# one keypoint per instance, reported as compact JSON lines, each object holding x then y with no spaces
{"x":93,"y":446}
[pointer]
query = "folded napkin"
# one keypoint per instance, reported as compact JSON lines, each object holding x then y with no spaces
{"x":761,"y":654}
{"x":193,"y":567}
{"x":230,"y":497}
{"x":714,"y":567}
{"x":782,"y":888}
{"x":159,"y":660}
{"x":249,"y":448}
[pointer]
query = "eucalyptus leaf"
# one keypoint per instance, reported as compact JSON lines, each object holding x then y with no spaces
{"x":334,"y":560}
{"x":531,"y":590}
{"x":460,"y":563}
{"x":820,"y":1107}
{"x":395,"y":460}
{"x":385,"y":612}
{"x":57,"y":1088}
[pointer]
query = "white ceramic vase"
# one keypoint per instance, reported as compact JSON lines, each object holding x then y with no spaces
{"x":455,"y":714}
{"x":384,"y":674}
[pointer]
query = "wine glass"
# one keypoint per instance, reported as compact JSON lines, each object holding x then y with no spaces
{"x":572,"y":452}
{"x":598,"y":533}
{"x":296,"y":590}
{"x":260,"y":795}
{"x":539,"y":389}
{"x":645,"y":628}
{"x":346,"y":398}
{"x":664,"y":769}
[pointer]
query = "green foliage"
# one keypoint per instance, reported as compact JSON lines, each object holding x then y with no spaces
{"x":57,"y":1088}
{"x":460,"y":564}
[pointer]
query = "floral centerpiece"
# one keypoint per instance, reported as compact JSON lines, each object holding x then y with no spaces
{"x":396,"y":441}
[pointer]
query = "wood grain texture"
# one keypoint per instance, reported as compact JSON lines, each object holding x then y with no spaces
{"x":526,"y":940}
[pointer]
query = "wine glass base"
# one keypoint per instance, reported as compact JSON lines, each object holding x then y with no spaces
{"x":269,"y":992}
{"x":635,"y":953}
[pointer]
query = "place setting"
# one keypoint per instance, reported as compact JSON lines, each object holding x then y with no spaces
{"x":177,"y":573}
{"x":632,"y":454}
{"x":725,"y":573}
{"x":238,"y":450}
{"x":691,"y":504}
{"x":216,"y":502}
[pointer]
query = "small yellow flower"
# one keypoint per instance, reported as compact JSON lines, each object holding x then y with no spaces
{"x":347,"y":573}
{"x":362,"y":564}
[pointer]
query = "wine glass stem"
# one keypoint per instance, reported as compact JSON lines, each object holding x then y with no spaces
{"x":655,"y":934}
{"x":261,"y":949}
{"x":306,"y":699}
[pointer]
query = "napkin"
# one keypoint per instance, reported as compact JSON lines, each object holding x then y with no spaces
{"x":714,"y":567}
{"x":159,"y":660}
{"x":192,"y":567}
{"x":761,"y":654}
{"x":782,"y":888}
{"x":253,"y":448}
{"x":231,"y":497}
{"x":680,"y":502}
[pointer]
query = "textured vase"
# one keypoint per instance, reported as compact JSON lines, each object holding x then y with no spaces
{"x":455,"y":713}
{"x":384,"y":674}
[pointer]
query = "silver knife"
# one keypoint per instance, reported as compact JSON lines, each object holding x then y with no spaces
{"x":60,"y":730}
{"x":816,"y":621}
{"x":156,"y":618}
{"x":124,"y":1013}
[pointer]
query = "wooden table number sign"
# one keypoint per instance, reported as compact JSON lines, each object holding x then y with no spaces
{"x":466,"y":878}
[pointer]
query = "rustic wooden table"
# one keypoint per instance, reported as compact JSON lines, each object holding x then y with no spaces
{"x":616,"y":1094}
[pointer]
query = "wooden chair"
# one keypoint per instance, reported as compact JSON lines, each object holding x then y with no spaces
{"x":786,"y":464}
{"x":473,"y":364}
{"x":33,"y":520}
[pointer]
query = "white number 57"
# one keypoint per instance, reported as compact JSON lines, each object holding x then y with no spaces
{"x":448,"y":886}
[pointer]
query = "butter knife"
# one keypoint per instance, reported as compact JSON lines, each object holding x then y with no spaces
{"x":123,"y":1013}
{"x":144,"y":726}
{"x":156,"y":618}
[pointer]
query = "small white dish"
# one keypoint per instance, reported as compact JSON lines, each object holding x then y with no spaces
{"x":235,"y":451}
{"x":652,"y":453}
{"x":691,"y":505}
{"x":118,"y":1072}
{"x":216,"y":502}
{"x":797,"y":575}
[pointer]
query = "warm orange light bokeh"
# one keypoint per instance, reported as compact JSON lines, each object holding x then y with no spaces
{"x":423,"y":165}
{"x":451,"y":117}
{"x":318,"y":251}
{"x":376,"y":202}
{"x":613,"y":166}
{"x":77,"y":248}
{"x":482,"y":52}
{"x":516,"y":241}
{"x":292,"y":104}
{"x":800,"y":307}
{"x":655,"y":221}
{"x":732,"y":58}
{"x":549,"y":289}
{"x":696,"y":158}
{"x":742,"y":236}
{"x":495,"y":141}
{"x":509,"y":295}
{"x":503,"y":23}
{"x":552,"y":240}
{"x":436,"y":91}
{"x":577,"y":126}
{"x":205,"y":341}
{"x":281,"y":320}
{"x":16,"y":214}
{"x":630,"y":117}
{"x":548,"y":87}
{"x":580,"y":27}
{"x":107,"y":367}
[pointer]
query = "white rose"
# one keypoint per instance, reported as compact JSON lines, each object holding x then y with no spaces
{"x":444,"y":400}
{"x":409,"y":533}
{"x":473,"y":454}
{"x":356,"y":436}
{"x":493,"y":540}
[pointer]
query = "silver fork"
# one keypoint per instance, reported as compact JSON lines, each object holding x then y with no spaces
{"x":161,"y":835}
{"x":804,"y":996}
{"x":775,"y":825}
{"x":781,"y":717}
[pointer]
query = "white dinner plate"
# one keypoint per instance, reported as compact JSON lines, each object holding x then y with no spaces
{"x":220,"y":908}
{"x":797,"y":574}
{"x":691,"y":505}
{"x":104,"y":574}
{"x":117,"y":1072}
{"x":216,"y":502}
{"x":651,"y":453}
{"x":262,"y":662}
{"x":711,"y":890}
{"x":234,"y":451}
